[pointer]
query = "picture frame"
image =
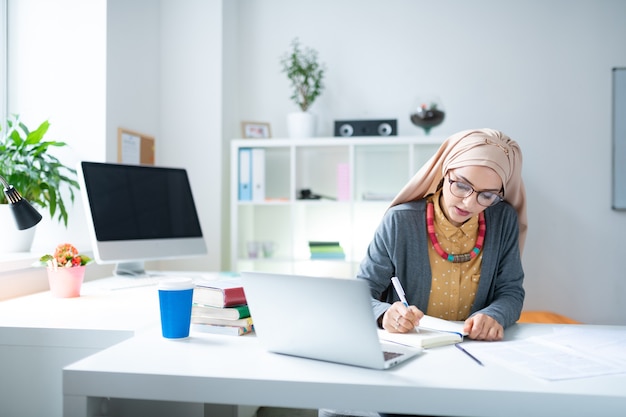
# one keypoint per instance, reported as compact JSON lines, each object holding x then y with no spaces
{"x":256,"y":130}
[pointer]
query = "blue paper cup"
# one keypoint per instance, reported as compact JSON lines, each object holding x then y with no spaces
{"x":175,"y":298}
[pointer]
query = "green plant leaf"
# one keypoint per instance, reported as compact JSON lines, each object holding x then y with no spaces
{"x":37,"y":175}
{"x":37,"y":135}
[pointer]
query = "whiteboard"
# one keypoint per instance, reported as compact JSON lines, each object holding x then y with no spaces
{"x":619,"y":138}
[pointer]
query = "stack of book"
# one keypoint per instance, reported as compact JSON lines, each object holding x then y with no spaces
{"x":220,"y":307}
{"x":326,"y":250}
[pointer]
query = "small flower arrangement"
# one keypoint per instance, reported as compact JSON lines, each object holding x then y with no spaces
{"x":65,"y":256}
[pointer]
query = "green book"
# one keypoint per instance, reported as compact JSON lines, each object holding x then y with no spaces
{"x":230,"y":313}
{"x":327,"y":249}
{"x":313,"y":243}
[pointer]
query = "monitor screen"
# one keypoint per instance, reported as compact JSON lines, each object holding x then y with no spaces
{"x":137,"y":213}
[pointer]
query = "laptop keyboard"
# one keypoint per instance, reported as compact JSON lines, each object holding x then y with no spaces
{"x":390,"y":355}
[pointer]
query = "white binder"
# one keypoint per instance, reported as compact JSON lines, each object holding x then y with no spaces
{"x":258,"y":174}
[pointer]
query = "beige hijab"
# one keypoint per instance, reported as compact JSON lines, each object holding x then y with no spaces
{"x":484,"y":147}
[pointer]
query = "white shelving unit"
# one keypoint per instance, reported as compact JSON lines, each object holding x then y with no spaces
{"x":377,"y":167}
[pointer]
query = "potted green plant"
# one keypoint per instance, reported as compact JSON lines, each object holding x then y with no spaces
{"x":25,"y":162}
{"x":306,"y":76}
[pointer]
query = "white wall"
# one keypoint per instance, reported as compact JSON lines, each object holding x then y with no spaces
{"x":538,"y":70}
{"x":164,"y":80}
{"x":133,"y":53}
{"x":191,"y":112}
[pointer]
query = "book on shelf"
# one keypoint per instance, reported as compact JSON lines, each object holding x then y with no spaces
{"x":431,"y":332}
{"x":326,"y":250}
{"x":244,"y":322}
{"x":221,"y":329}
{"x":328,"y":256}
{"x":318,"y":243}
{"x":219,"y":293}
{"x":232,"y":313}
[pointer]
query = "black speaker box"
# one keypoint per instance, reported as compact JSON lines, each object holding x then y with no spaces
{"x":347,"y":128}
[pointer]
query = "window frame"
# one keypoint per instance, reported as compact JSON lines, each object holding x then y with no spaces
{"x":3,"y":61}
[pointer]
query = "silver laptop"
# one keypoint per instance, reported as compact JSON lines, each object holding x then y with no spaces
{"x":329,"y":319}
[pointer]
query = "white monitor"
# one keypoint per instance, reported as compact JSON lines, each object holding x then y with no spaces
{"x":137,"y":213}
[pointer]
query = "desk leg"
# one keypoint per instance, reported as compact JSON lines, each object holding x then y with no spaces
{"x":225,"y":410}
{"x":80,"y":406}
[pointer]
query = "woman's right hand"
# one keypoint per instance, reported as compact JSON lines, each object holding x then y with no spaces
{"x":400,"y":319}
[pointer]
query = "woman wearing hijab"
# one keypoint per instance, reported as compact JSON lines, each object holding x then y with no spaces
{"x":453,"y":236}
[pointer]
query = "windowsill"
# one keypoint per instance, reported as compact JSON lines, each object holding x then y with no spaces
{"x":17,"y":261}
{"x":18,"y":276}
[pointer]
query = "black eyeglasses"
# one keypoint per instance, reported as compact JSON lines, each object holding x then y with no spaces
{"x":484,"y":198}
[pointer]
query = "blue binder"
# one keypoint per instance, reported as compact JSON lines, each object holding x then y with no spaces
{"x":245,"y":174}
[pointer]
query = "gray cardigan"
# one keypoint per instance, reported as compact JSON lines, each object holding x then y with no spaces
{"x":400,"y":248}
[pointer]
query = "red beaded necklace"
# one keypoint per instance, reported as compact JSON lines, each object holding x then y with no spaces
{"x":464,"y":257}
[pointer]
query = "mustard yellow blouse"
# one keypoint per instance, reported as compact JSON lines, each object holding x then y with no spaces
{"x":454,"y":285}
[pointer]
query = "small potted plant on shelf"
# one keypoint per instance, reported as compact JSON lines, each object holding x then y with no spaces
{"x":26,"y":163}
{"x":306,"y":75}
{"x":66,"y":270}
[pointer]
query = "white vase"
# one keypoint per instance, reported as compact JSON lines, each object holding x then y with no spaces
{"x":301,"y":125}
{"x":13,"y":240}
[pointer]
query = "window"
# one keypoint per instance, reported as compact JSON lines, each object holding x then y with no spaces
{"x":3,"y":61}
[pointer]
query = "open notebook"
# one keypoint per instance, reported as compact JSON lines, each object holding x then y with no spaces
{"x":328,"y":319}
{"x":431,"y":332}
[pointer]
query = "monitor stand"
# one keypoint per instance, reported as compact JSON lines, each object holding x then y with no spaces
{"x":130,"y":269}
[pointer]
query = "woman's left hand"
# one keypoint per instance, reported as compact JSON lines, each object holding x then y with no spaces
{"x":483,"y":327}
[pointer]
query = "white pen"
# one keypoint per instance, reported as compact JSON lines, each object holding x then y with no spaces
{"x":399,"y":290}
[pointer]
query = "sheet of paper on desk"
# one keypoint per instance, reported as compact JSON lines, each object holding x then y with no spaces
{"x":601,"y":342}
{"x":569,"y":354}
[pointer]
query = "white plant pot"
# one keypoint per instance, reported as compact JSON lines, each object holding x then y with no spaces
{"x":13,"y":240}
{"x":301,"y":125}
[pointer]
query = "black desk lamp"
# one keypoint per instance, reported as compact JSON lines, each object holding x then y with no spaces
{"x":25,"y":215}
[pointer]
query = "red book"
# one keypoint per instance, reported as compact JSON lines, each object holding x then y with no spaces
{"x":220,"y":293}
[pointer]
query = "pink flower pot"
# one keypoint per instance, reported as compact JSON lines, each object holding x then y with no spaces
{"x":66,"y":282}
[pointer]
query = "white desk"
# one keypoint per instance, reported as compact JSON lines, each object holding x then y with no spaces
{"x":40,"y":334}
{"x":236,"y":370}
